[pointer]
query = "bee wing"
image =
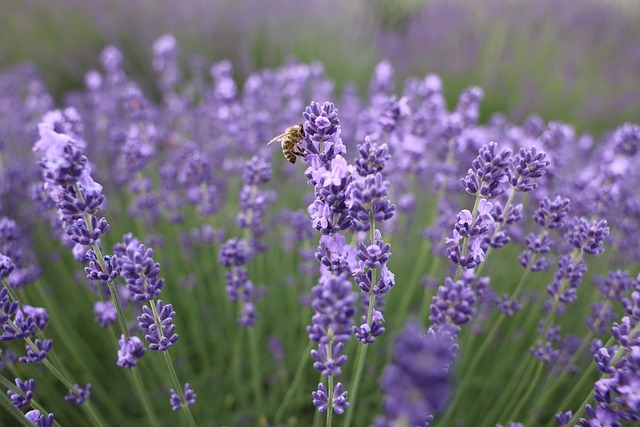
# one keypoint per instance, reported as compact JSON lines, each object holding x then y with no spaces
{"x":277,"y":138}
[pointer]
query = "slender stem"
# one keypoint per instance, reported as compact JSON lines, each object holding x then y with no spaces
{"x":533,"y":384}
{"x":507,"y":205}
{"x":174,"y":378}
{"x":616,"y":357}
{"x":414,"y":280}
{"x":362,"y":355}
{"x":293,"y":387}
{"x":8,"y":405}
{"x":524,"y":399}
{"x":58,"y":373}
{"x":137,"y":379}
{"x":255,"y":364}
{"x":465,"y":242}
{"x":426,"y":298}
{"x":362,"y":349}
{"x":330,"y":400}
{"x":574,"y":390}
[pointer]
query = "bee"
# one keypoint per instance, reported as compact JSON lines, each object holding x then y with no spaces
{"x":290,"y":140}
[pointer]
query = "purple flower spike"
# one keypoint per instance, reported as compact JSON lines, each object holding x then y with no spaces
{"x":189,"y":395}
{"x":616,"y":285}
{"x":234,"y":252}
{"x":35,"y":356}
{"x":329,"y":365}
{"x":320,"y":398}
{"x":23,"y":326}
{"x":79,"y":395}
{"x":339,"y":399}
{"x":130,"y":351}
{"x":453,"y":303}
{"x":106,"y":313}
{"x":23,"y":397}
{"x":588,"y":236}
{"x":373,"y":157}
{"x":487,"y":172}
{"x":334,"y":305}
{"x":38,"y":420}
{"x":418,"y":382}
{"x":552,"y":214}
{"x":6,"y":266}
{"x":369,"y":194}
{"x":160,"y":332}
{"x":626,"y":139}
{"x":141,"y":272}
{"x":527,"y":165}
{"x":321,"y":128}
{"x":563,"y":418}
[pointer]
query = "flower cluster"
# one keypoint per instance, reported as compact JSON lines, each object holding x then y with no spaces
{"x":418,"y":382}
{"x":333,"y":301}
{"x":369,"y":205}
{"x":236,"y":252}
{"x":69,"y":183}
{"x":172,"y":165}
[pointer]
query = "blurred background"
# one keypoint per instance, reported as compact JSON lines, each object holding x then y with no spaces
{"x":575,"y":61}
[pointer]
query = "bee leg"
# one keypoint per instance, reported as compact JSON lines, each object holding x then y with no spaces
{"x":299,"y":153}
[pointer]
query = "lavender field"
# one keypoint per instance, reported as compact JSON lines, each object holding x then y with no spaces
{"x":422,"y":243}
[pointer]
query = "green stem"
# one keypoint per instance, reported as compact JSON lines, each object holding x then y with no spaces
{"x":465,"y":243}
{"x":524,"y":399}
{"x":426,"y":298}
{"x":255,"y":364}
{"x":362,"y":349}
{"x":293,"y":387}
{"x":330,"y":400}
{"x":176,"y":383}
{"x":362,"y":355}
{"x":616,"y":357}
{"x":9,"y":407}
{"x":64,"y":379}
{"x":495,"y":233}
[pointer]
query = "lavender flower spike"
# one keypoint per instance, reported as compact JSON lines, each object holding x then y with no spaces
{"x":418,"y":382}
{"x":487,"y":172}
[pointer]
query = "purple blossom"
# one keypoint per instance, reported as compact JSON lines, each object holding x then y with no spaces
{"x":189,"y":396}
{"x":527,"y":166}
{"x":329,"y":359}
{"x":508,"y":306}
{"x":454,"y":303}
{"x":563,"y":418}
{"x":105,"y":313}
{"x":39,"y":353}
{"x":551,"y":214}
{"x":130,"y":351}
{"x":23,"y":396}
{"x":626,"y":139}
{"x":139,"y":270}
{"x":366,"y":333}
{"x":372,"y":157}
{"x":334,"y":306}
{"x":23,"y":326}
{"x":588,"y":236}
{"x":322,"y":132}
{"x":38,"y":420}
{"x":158,"y":326}
{"x":368,"y":196}
{"x":418,"y":382}
{"x":616,"y":285}
{"x":79,"y":394}
{"x":338,"y":399}
{"x":488,"y":171}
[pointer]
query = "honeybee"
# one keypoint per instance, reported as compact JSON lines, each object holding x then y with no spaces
{"x":290,"y":140}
